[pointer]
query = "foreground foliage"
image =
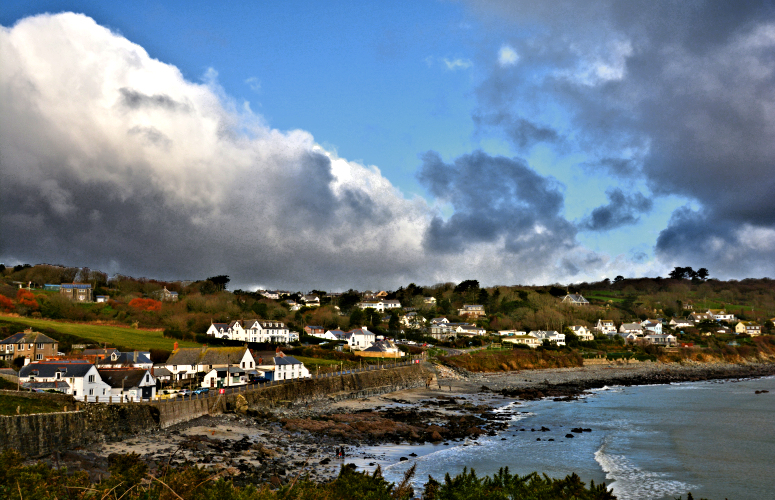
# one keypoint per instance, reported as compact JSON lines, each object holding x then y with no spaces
{"x":131,"y":479}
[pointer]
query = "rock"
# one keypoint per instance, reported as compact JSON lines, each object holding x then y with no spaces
{"x":241,"y":405}
{"x":569,"y":435}
{"x":403,"y":459}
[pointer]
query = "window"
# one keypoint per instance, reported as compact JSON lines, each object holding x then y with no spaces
{"x":58,"y":375}
{"x":40,"y":346}
{"x":38,"y":357}
{"x":21,"y":347}
{"x":91,"y":378}
{"x":91,"y":392}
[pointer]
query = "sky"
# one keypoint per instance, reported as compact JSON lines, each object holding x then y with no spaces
{"x":330,"y":145}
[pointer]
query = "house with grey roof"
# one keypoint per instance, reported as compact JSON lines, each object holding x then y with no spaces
{"x":33,"y":346}
{"x":134,"y":359}
{"x":575,"y":299}
{"x":78,"y":292}
{"x":185,"y":363}
{"x":129,"y":384}
{"x":83,"y":379}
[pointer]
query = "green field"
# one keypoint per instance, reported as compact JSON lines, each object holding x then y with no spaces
{"x":113,"y":336}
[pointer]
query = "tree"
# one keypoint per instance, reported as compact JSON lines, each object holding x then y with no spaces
{"x":393,"y":324}
{"x":6,"y":304}
{"x":702,"y":273}
{"x":219,"y":281}
{"x":27,"y":299}
{"x":618,"y":279}
{"x":356,"y":318}
{"x":348,"y":300}
{"x":467,"y":285}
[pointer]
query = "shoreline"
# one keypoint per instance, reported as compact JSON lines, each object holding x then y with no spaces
{"x":264,"y":448}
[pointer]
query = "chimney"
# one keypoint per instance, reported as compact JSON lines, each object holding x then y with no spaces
{"x":175,"y":347}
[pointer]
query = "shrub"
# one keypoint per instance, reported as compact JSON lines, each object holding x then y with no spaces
{"x":145,"y":304}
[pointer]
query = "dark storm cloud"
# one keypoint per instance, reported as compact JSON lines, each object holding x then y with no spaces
{"x":682,"y":93}
{"x":494,"y":197}
{"x":621,"y":210}
{"x":134,"y":100}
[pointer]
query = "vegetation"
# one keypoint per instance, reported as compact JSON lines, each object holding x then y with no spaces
{"x":131,"y":479}
{"x":9,"y":405}
{"x":515,"y":359}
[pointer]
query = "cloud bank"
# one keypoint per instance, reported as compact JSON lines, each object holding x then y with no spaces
{"x":112,"y":159}
{"x":677,"y":95}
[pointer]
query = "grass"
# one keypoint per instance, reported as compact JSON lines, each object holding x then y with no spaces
{"x":115,"y":336}
{"x":8,"y":405}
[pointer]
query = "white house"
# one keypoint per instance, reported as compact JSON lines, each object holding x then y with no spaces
{"x":666,"y":340}
{"x":474,"y":310}
{"x":228,"y":376}
{"x":652,"y":325}
{"x":575,"y":299}
{"x":187,"y":362}
{"x":635,"y":328}
{"x":288,"y":367}
{"x":360,"y":338}
{"x":413,"y":320}
{"x":134,"y":359}
{"x":551,"y":336}
{"x":82,"y":378}
{"x":253,"y":330}
{"x":527,"y":340}
{"x":129,"y":384}
{"x":721,"y":315}
{"x":511,"y":333}
{"x":582,"y":333}
{"x":680,"y":323}
{"x":605,"y":326}
{"x":380,"y":305}
{"x":470,"y":330}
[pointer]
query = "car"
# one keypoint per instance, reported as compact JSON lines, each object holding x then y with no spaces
{"x":184,"y":392}
{"x":201,"y":390}
{"x":168,"y":394}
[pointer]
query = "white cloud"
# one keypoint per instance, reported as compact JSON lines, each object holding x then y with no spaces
{"x":507,"y":56}
{"x":155,"y":175}
{"x":254,"y":84}
{"x":456,"y":64}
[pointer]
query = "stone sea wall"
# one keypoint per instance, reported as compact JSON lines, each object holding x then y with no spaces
{"x":42,"y":434}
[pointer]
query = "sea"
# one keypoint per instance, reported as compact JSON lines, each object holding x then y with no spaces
{"x":715,"y":439}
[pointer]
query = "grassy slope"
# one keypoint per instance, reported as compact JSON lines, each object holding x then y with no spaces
{"x":8,"y":405}
{"x":112,"y":335}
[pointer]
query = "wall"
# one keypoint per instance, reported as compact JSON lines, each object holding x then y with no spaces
{"x":41,"y":434}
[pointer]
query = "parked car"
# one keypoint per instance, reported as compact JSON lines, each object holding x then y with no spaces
{"x":184,"y":393}
{"x":201,"y":390}
{"x":168,"y":394}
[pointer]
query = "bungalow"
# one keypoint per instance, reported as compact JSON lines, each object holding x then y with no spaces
{"x":680,"y":323}
{"x":749,"y":327}
{"x":467,"y":330}
{"x":32,"y":346}
{"x":527,"y":340}
{"x":511,"y":333}
{"x":429,"y":301}
{"x":635,"y":328}
{"x":82,"y":378}
{"x":475,"y":310}
{"x":721,"y":315}
{"x":575,"y":299}
{"x":311,"y":300}
{"x":129,"y":384}
{"x":582,"y":332}
{"x":697,"y":317}
{"x":380,"y":305}
{"x":383,"y":348}
{"x":438,"y":321}
{"x":667,"y":340}
{"x":605,"y":326}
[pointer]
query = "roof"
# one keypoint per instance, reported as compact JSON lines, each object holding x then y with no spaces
{"x":382,"y":346}
{"x":574,"y":297}
{"x":28,"y":337}
{"x":48,"y":369}
{"x":92,"y":352}
{"x":286,"y":360}
{"x":56,"y":385}
{"x":125,"y":378}
{"x":207,"y":356}
{"x":76,"y":285}
{"x":124,"y":358}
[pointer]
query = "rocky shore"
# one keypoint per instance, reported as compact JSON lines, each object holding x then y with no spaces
{"x":280,"y":444}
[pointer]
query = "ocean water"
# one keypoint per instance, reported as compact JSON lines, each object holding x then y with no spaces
{"x":713,"y":438}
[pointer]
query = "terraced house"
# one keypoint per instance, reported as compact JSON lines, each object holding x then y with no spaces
{"x":186,"y":363}
{"x":32,"y":346}
{"x":253,"y":330}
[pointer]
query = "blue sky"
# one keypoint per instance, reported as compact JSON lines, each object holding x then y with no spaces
{"x":515,"y":141}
